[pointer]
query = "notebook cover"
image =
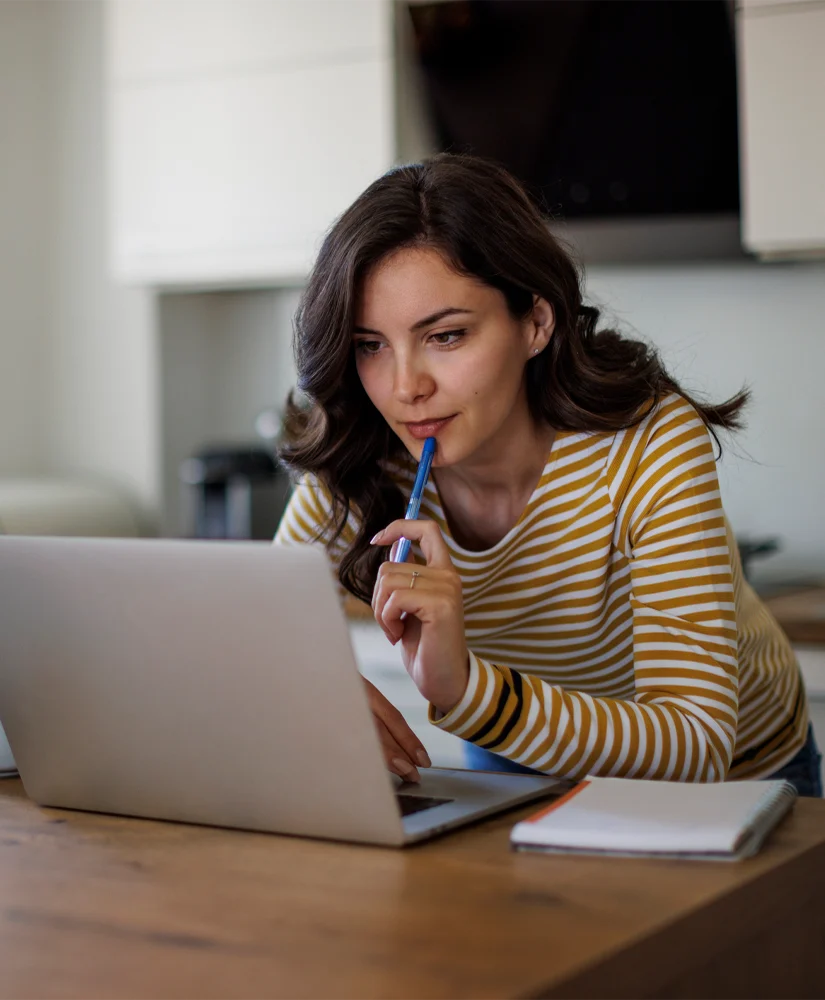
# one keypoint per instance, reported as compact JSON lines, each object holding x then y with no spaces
{"x":630,"y":817}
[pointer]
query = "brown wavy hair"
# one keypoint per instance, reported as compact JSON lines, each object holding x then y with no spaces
{"x":480,"y":219}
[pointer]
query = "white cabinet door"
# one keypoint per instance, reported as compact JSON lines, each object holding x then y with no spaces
{"x":152,"y":40}
{"x":782,"y":127}
{"x":239,"y":130}
{"x":745,"y":4}
{"x":235,"y":180}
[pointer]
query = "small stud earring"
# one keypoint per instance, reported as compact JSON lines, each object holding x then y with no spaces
{"x":535,"y":352}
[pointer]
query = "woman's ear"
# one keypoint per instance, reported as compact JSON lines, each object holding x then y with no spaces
{"x":543,"y":322}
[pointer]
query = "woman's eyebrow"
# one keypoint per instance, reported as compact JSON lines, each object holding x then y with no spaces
{"x":427,"y":321}
{"x":436,"y":316}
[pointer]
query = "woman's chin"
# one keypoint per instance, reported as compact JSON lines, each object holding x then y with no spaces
{"x":450,"y":454}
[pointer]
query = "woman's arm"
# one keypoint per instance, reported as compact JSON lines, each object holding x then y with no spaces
{"x":306,"y":519}
{"x":681,"y":724}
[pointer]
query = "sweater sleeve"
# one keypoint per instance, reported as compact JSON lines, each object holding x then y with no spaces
{"x":681,"y":722}
{"x":307,"y":521}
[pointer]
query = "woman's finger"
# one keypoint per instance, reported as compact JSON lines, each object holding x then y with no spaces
{"x":395,"y":577}
{"x":402,"y":735}
{"x":429,"y":600}
{"x":396,"y":735}
{"x":396,"y":758}
{"x":392,"y":576}
{"x":380,"y":594}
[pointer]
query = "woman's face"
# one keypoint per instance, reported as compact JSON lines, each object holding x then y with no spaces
{"x":440,"y":355}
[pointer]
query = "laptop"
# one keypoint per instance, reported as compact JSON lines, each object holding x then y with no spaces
{"x":207,"y":682}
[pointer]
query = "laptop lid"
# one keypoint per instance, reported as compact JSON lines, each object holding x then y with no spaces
{"x":207,"y":682}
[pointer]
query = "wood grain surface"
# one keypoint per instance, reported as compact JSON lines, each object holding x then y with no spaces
{"x":101,"y":906}
{"x":801,"y":614}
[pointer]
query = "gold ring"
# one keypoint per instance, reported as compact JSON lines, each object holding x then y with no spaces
{"x":413,"y":578}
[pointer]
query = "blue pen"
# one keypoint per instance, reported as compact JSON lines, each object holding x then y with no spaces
{"x":414,"y":505}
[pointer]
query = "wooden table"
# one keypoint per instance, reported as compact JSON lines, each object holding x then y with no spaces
{"x":801,"y":613}
{"x":97,"y":906}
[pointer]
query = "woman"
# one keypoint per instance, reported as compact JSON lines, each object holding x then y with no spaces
{"x":576,"y":604}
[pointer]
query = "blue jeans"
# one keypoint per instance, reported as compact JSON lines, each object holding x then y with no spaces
{"x":802,"y":771}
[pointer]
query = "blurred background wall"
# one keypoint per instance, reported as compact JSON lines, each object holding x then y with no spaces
{"x":724,"y":324}
{"x":78,"y":353}
{"x":27,"y":116}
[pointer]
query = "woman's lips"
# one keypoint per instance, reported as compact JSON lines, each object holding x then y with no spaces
{"x":428,"y":428}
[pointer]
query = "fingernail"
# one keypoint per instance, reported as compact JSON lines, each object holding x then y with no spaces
{"x":393,"y":550}
{"x":375,"y":538}
{"x":422,"y":758}
{"x":406,"y":769}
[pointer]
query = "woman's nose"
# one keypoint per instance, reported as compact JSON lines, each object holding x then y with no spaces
{"x":412,"y":381}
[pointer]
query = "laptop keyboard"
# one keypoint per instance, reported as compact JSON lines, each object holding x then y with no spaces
{"x":409,"y":804}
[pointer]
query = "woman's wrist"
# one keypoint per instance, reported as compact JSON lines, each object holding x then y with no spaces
{"x":447,"y":696}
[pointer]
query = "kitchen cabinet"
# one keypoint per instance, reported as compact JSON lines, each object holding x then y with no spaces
{"x":237,"y":129}
{"x":152,"y":40}
{"x":782,"y":126}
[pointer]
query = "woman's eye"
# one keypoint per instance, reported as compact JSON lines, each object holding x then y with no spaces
{"x":447,"y":338}
{"x":368,"y":346}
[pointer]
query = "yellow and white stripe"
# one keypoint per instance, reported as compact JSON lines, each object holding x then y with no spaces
{"x":611,"y":631}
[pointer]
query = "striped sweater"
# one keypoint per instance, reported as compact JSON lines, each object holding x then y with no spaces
{"x":611,"y":631}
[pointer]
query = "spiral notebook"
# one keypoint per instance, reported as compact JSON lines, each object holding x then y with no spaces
{"x":630,"y":817}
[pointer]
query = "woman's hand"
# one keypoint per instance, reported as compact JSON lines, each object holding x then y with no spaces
{"x":402,"y":748}
{"x":428,"y":617}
